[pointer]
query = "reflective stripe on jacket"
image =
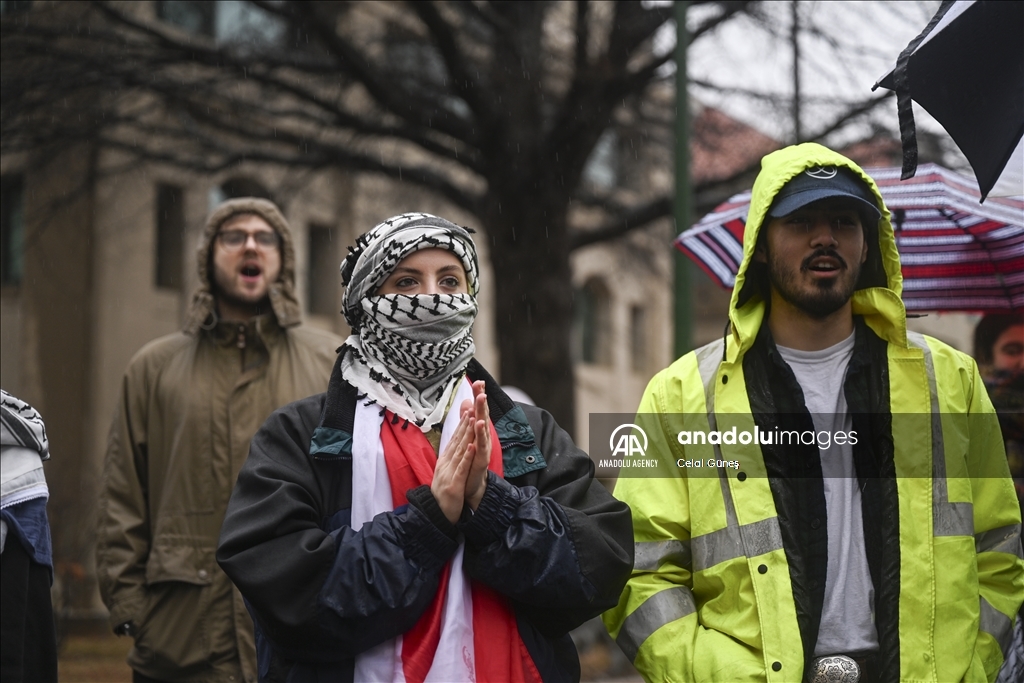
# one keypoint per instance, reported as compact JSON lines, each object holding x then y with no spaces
{"x":711,"y":596}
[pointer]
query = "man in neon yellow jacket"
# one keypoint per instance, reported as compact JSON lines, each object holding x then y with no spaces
{"x":863,"y":521}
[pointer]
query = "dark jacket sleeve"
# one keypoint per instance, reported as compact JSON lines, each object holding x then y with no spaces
{"x":319,"y":590}
{"x":555,"y":541}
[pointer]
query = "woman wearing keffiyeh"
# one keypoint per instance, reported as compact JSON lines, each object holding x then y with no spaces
{"x":410,"y":343}
{"x":414,"y":523}
{"x":28,"y":643}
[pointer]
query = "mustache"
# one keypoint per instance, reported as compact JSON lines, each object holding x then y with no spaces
{"x":818,"y":253}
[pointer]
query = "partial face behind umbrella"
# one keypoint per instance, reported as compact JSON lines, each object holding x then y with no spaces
{"x":1008,"y":350}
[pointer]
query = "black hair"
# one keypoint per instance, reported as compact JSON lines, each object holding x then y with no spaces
{"x":987,"y":332}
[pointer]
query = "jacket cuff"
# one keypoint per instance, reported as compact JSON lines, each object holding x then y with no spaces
{"x":423,"y":500}
{"x":125,"y":610}
{"x":494,"y":514}
{"x":426,"y":546}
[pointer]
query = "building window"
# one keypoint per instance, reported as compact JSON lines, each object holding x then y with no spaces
{"x":602,"y":168}
{"x":246,"y":25}
{"x":12,"y":230}
{"x":638,"y":338}
{"x":592,"y":323}
{"x":9,"y":7}
{"x":235,"y":188}
{"x":322,"y":279}
{"x":418,"y":63}
{"x":193,"y":16}
{"x":418,"y":67}
{"x":170,"y":236}
{"x":242,"y":24}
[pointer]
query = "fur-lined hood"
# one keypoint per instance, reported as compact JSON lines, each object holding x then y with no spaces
{"x":282,"y":293}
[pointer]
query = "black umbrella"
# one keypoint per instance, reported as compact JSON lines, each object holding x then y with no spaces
{"x":967,"y":70}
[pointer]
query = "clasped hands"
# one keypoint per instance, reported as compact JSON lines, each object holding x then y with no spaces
{"x":460,"y":476}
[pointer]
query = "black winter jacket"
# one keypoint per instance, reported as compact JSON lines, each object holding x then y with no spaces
{"x":547,"y":536}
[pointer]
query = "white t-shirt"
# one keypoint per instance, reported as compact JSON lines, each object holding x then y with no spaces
{"x":847,"y":616}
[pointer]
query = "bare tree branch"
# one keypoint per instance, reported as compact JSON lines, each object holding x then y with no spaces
{"x":729,"y":10}
{"x":635,"y":217}
{"x":582,"y":36}
{"x":496,"y":107}
{"x":852,"y":114}
{"x":465,"y":84}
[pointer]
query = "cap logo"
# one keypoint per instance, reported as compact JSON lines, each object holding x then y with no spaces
{"x":822,"y":172}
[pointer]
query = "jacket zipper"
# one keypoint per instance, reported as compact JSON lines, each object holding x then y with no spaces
{"x":509,"y":444}
{"x":240,"y":343}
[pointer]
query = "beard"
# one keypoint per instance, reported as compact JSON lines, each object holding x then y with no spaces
{"x":255,"y":306}
{"x":819,"y":299}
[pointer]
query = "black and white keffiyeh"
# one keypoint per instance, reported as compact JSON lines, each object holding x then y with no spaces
{"x":21,"y":425}
{"x":378,"y":252}
{"x":23,"y":448}
{"x":407,"y":352}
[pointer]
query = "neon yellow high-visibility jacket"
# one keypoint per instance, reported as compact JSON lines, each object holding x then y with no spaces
{"x":712,"y":597}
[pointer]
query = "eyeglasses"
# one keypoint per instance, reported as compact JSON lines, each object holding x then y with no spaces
{"x":236,"y":239}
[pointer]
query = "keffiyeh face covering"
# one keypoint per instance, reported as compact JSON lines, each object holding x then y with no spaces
{"x":407,"y":352}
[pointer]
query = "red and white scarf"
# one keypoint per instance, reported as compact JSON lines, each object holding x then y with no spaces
{"x":468,"y":632}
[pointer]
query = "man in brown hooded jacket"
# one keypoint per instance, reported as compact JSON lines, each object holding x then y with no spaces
{"x":190,"y":402}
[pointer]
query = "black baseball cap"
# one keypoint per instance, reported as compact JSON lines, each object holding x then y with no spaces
{"x":822,"y":182}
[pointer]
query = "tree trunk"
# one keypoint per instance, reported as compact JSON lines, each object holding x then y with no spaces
{"x":525,"y":211}
{"x":530,"y":256}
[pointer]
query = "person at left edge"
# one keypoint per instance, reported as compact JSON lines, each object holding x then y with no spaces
{"x":28,"y":638}
{"x":189,"y":405}
{"x":414,"y":523}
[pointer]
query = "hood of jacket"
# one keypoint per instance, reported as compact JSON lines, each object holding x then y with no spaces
{"x":877,"y":296}
{"x":283,"y":301}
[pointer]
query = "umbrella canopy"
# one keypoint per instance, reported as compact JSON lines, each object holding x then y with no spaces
{"x":956,"y":254}
{"x":966,"y":69}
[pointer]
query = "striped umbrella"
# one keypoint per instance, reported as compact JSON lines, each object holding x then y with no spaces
{"x":957,"y":254}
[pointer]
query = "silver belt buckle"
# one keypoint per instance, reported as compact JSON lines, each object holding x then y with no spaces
{"x":834,"y":669}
